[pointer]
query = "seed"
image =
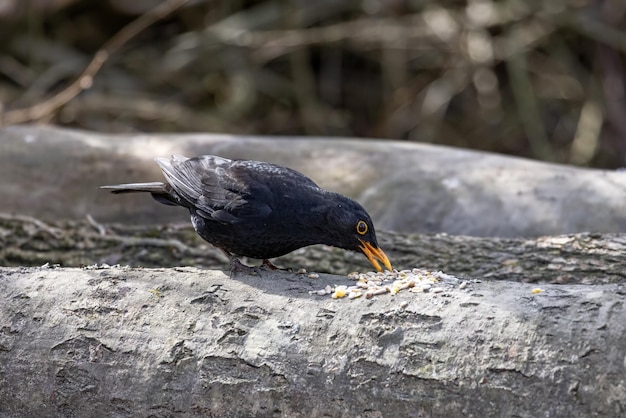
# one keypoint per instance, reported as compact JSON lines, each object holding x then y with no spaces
{"x":377,"y":291}
{"x":340,"y":292}
{"x":401,"y":285}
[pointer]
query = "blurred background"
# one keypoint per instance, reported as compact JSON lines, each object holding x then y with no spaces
{"x":539,"y":79}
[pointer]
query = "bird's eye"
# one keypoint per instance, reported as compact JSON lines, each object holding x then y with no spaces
{"x":361,"y":227}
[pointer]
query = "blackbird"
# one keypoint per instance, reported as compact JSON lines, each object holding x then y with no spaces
{"x":260,"y":210}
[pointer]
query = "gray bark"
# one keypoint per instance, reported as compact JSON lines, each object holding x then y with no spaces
{"x":54,"y":173}
{"x":161,"y":342}
{"x":578,"y":258}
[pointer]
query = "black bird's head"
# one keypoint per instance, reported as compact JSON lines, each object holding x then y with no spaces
{"x":352,"y":229}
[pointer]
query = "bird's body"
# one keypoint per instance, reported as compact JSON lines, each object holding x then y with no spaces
{"x":260,"y":210}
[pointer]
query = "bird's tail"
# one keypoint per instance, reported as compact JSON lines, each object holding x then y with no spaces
{"x":161,"y":192}
{"x":154,"y":187}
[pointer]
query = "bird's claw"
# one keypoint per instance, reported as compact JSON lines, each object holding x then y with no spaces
{"x":237,"y":266}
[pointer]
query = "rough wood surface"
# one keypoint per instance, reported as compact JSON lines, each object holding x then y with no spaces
{"x":189,"y":342}
{"x":186,"y":342}
{"x":577,"y":258}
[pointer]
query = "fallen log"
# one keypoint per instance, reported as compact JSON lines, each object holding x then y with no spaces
{"x":405,"y":186}
{"x":575,"y":258}
{"x":130,"y":342}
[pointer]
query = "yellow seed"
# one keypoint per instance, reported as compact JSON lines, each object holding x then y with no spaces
{"x":156,"y":292}
{"x":536,"y":290}
{"x":340,"y":292}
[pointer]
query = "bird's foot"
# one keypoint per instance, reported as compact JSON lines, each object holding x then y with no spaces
{"x":237,"y":266}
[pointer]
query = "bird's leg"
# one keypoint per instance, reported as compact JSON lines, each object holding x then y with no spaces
{"x":238,"y":266}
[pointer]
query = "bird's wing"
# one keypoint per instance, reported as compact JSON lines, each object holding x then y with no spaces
{"x":229,"y":191}
{"x":274,"y":173}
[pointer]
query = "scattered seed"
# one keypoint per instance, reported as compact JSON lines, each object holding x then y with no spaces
{"x":371,"y":284}
{"x":403,"y":285}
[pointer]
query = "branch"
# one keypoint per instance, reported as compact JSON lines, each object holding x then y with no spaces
{"x":85,"y":80}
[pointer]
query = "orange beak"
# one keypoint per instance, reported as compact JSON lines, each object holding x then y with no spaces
{"x":374,"y":255}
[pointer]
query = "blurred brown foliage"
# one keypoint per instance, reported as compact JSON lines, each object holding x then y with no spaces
{"x":541,"y":79}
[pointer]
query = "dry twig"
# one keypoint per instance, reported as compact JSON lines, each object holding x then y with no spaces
{"x":85,"y":80}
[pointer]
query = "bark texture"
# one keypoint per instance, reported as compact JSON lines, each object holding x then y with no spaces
{"x":576,"y":258}
{"x":181,"y":341}
{"x":186,"y":342}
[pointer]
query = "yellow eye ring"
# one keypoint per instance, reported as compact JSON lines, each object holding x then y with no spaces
{"x":361,"y":227}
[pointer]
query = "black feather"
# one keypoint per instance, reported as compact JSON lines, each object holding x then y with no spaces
{"x":256,"y":209}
